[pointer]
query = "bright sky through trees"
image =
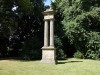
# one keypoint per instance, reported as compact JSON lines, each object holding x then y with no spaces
{"x":47,"y":2}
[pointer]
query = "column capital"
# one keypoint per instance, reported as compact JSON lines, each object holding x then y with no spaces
{"x":52,"y":19}
{"x":49,"y":19}
{"x":46,"y":19}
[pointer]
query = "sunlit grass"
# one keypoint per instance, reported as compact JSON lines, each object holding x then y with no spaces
{"x":64,"y":67}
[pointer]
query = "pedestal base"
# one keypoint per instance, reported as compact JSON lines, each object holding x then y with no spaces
{"x":48,"y":55}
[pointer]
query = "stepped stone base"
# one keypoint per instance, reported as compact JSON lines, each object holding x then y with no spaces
{"x":48,"y":55}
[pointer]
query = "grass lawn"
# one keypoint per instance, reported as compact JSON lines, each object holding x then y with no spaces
{"x":66,"y":67}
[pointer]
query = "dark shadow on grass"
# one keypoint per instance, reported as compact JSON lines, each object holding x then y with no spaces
{"x":61,"y":63}
{"x":68,"y":62}
{"x":18,"y":59}
{"x":9,"y":58}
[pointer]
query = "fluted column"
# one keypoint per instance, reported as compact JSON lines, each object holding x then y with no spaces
{"x":46,"y":34}
{"x":51,"y":33}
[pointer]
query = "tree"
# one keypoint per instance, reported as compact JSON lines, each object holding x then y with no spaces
{"x":7,"y":24}
{"x":59,"y":33}
{"x":81,"y":20}
{"x":21,"y":21}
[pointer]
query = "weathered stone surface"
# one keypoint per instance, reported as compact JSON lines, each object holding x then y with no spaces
{"x":46,"y":33}
{"x":48,"y":50}
{"x":47,"y":17}
{"x":48,"y":55}
{"x":51,"y":33}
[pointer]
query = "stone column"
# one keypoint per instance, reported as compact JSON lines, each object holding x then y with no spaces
{"x":48,"y":50}
{"x":46,"y":34}
{"x":52,"y":33}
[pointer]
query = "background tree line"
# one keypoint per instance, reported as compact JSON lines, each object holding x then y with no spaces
{"x":21,"y":28}
{"x":77,"y":28}
{"x":81,"y":25}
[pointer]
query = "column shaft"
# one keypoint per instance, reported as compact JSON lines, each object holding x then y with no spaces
{"x":46,"y":34}
{"x":51,"y":33}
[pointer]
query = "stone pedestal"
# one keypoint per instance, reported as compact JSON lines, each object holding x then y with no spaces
{"x":48,"y":55}
{"x":48,"y":50}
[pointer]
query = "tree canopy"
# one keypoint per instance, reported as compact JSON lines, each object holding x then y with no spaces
{"x":81,"y":20}
{"x":20,"y":21}
{"x":77,"y":28}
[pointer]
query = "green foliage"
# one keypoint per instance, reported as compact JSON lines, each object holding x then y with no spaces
{"x":93,"y":54}
{"x":31,"y":49}
{"x":59,"y":34}
{"x":81,"y":20}
{"x":78,"y":54}
{"x":93,"y":46}
{"x":25,"y":6}
{"x":20,"y":20}
{"x":59,"y":52}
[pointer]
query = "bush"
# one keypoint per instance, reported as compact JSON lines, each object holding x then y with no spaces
{"x":60,"y":54}
{"x":93,"y":46}
{"x":59,"y":51}
{"x":32,"y":49}
{"x":78,"y":54}
{"x":93,"y":54}
{"x":31,"y":54}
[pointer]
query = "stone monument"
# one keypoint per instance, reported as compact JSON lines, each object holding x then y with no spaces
{"x":48,"y":50}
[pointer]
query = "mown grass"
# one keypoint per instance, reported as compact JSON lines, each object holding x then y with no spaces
{"x":65,"y":67}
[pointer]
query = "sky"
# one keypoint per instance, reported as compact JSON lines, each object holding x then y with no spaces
{"x":48,"y":2}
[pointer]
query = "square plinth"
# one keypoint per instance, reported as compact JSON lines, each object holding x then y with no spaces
{"x":48,"y":55}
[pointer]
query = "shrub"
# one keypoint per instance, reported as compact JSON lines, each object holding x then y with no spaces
{"x":31,"y":54}
{"x":60,"y":54}
{"x":93,"y":54}
{"x":78,"y":54}
{"x":31,"y":49}
{"x":59,"y":51}
{"x":93,"y":46}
